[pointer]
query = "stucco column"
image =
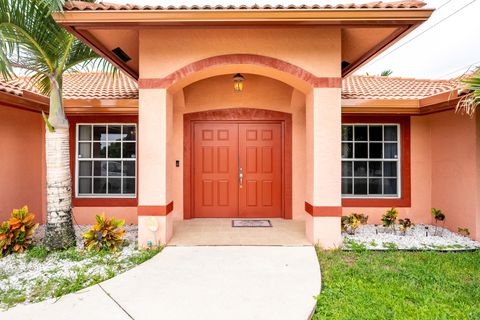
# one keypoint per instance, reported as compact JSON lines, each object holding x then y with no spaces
{"x":323,"y":191}
{"x":155,"y":223}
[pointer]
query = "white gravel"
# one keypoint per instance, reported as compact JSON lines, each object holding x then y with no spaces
{"x":419,"y":237}
{"x":21,"y":275}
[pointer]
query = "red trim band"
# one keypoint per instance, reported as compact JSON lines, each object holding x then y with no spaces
{"x":155,"y":210}
{"x":323,"y":211}
{"x":300,"y":73}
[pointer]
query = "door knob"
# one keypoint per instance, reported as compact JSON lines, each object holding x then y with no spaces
{"x":240,"y":177}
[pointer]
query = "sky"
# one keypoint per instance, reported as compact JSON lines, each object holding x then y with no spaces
{"x":444,"y":47}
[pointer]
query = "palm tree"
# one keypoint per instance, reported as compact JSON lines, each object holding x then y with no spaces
{"x":469,"y":102}
{"x":32,"y":43}
{"x":386,"y":73}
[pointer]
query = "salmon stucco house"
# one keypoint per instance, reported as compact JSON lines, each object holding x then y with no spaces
{"x":247,"y":112}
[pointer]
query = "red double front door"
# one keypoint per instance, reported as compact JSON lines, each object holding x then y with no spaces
{"x":237,"y":170}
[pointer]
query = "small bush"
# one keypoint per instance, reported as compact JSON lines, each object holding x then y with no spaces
{"x":464,"y":232}
{"x":16,"y":234}
{"x":438,"y":215}
{"x":405,"y":224}
{"x":389,"y":218}
{"x":105,"y":235}
{"x":351,"y":222}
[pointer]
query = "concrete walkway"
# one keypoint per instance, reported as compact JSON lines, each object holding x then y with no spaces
{"x":197,"y":283}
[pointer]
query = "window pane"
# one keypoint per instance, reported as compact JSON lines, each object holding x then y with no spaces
{"x":100,"y":133}
{"x":85,"y":168}
{"x":390,"y":133}
{"x":360,"y":186}
{"x":114,"y":168}
{"x":346,"y":168}
{"x":99,"y":150}
{"x":114,"y":150}
{"x":85,"y":133}
{"x":375,"y":133}
{"x":114,"y":185}
{"x":391,"y":151}
{"x":390,"y":168}
{"x":85,"y":185}
{"x":129,"y":150}
{"x":114,"y":133}
{"x":99,"y":185}
{"x":390,"y":186}
{"x":346,"y":186}
{"x":129,"y":168}
{"x":128,"y":185}
{"x":360,"y":133}
{"x":375,"y":186}
{"x":100,"y":168}
{"x":375,"y":168}
{"x":84,"y":150}
{"x":361,"y":150}
{"x":376,"y":150}
{"x":360,"y":168}
{"x":347,"y":150}
{"x":347,"y":133}
{"x":129,"y":133}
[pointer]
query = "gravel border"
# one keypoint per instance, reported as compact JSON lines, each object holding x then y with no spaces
{"x":421,"y":237}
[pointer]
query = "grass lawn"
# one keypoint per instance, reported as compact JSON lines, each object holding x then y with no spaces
{"x":39,"y":274}
{"x":399,"y":285}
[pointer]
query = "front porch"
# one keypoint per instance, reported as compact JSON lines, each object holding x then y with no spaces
{"x":219,"y":232}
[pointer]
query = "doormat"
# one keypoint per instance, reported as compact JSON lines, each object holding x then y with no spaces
{"x":251,"y":223}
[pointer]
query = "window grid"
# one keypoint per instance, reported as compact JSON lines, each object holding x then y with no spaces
{"x":368,"y":160}
{"x":105,"y":172}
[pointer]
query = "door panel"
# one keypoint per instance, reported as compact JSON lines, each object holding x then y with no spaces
{"x":215,"y":170}
{"x":260,"y":157}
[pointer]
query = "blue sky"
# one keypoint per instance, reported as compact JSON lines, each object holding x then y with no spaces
{"x":446,"y":50}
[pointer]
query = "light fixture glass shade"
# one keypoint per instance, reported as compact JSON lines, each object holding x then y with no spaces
{"x":238,"y":82}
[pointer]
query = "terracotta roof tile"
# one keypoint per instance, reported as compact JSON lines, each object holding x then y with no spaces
{"x":376,"y":87}
{"x":102,"y":6}
{"x":96,"y":85}
{"x":10,"y":87}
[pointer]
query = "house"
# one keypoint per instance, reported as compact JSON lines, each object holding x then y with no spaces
{"x":248,"y":112}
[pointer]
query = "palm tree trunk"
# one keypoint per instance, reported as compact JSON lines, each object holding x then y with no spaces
{"x":59,"y":230}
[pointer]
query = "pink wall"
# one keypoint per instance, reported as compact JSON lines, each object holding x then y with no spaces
{"x":21,"y":161}
{"x":445,"y":162}
{"x":455,"y":168}
{"x":86,"y":215}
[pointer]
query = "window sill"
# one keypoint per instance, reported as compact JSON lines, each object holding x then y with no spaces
{"x":105,"y":202}
{"x":376,"y":202}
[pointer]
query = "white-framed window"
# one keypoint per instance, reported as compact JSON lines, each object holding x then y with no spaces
{"x":371,"y":160}
{"x":106,"y":160}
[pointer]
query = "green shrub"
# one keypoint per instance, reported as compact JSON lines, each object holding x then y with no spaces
{"x":105,"y":235}
{"x":438,"y":215}
{"x":351,"y":222}
{"x":389,"y":218}
{"x":16,"y":234}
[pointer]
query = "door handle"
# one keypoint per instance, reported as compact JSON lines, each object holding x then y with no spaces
{"x":240,"y":177}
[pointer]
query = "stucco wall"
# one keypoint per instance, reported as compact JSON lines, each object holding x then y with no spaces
{"x":21,"y":161}
{"x":444,"y":172}
{"x":165,"y":51}
{"x":259,"y":92}
{"x":454,"y":169}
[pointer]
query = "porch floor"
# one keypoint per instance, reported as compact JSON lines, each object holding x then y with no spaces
{"x":219,"y":232}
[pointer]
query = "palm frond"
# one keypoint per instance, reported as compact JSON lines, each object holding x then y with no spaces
{"x":468,"y":103}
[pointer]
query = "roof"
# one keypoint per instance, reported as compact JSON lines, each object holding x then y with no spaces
{"x":87,"y":85}
{"x":97,"y":85}
{"x":394,"y":88}
{"x":85,"y":6}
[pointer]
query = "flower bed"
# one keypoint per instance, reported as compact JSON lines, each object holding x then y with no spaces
{"x":419,"y":237}
{"x":38,"y":274}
